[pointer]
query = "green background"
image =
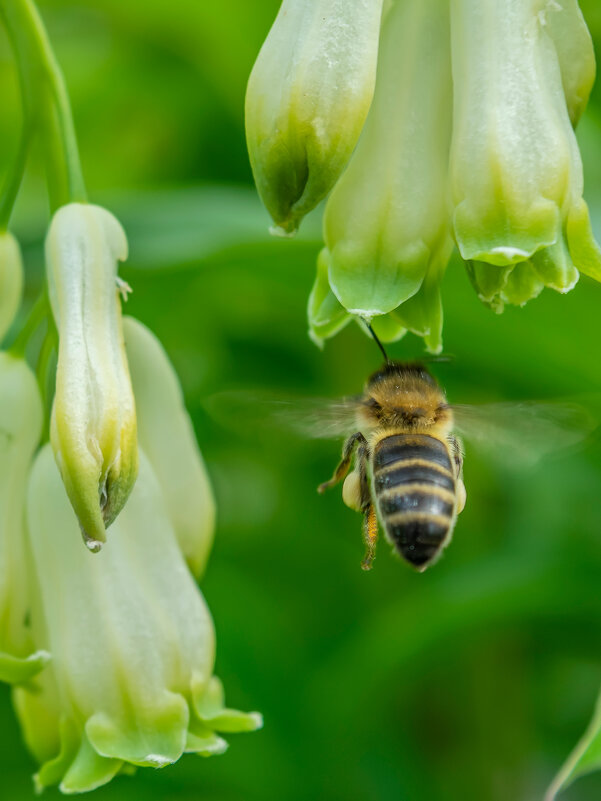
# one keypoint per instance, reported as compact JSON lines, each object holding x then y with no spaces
{"x":470,"y":682}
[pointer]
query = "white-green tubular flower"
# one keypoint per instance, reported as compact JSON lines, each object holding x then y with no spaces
{"x":93,"y":426}
{"x":516,"y":173}
{"x":565,"y":24}
{"x":386,"y":222}
{"x":20,"y":430}
{"x":307,"y":98}
{"x":131,"y":680}
{"x":166,"y":436}
{"x":11,"y":280}
{"x":327,"y":316}
{"x":421,"y":314}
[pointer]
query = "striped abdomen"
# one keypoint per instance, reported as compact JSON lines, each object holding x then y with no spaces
{"x":414,"y":486}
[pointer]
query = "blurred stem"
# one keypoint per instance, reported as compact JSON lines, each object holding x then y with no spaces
{"x":37,"y":314}
{"x":45,"y":99}
{"x":12,"y":184}
{"x":49,"y":345}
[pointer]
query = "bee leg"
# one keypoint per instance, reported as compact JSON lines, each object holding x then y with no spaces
{"x":457,"y":453}
{"x":345,"y":462}
{"x":461,"y":497}
{"x":370,"y":519}
{"x":458,"y":459}
{"x":370,"y":535}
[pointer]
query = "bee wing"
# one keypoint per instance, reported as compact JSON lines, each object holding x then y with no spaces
{"x":317,"y":418}
{"x":525,"y":431}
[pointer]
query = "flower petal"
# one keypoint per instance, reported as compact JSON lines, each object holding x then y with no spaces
{"x":166,"y":436}
{"x":513,"y":158}
{"x":20,"y":429}
{"x":386,"y":221}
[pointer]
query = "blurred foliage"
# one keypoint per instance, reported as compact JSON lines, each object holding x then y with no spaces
{"x":472,"y":681}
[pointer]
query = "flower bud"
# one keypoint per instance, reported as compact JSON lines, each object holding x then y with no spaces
{"x":307,"y":98}
{"x":11,"y":280}
{"x":386,"y":222}
{"x":20,"y":430}
{"x":93,"y":426}
{"x":132,"y":641}
{"x":166,"y":436}
{"x":515,"y":166}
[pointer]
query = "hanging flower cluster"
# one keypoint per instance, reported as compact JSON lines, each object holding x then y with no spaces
{"x":469,"y":140}
{"x":110,"y":654}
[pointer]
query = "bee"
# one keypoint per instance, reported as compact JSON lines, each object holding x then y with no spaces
{"x":404,"y":443}
{"x":408,"y":466}
{"x":408,"y":454}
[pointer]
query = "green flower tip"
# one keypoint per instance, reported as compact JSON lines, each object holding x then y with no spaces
{"x":496,"y":140}
{"x":16,"y":670}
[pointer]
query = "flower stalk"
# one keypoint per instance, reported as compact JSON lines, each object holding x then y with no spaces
{"x":46,"y":105}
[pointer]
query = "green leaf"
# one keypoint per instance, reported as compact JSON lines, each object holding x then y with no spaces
{"x":181,"y":227}
{"x":585,"y":758}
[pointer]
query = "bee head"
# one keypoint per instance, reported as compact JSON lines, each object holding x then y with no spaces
{"x":401,"y":371}
{"x":403,"y":395}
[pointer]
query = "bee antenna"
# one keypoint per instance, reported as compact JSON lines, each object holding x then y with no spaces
{"x":377,"y":341}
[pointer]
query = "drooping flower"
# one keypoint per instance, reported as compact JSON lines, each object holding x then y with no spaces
{"x":503,"y":179}
{"x":519,"y":218}
{"x":386,"y":224}
{"x":11,"y":280}
{"x":307,"y":99}
{"x":20,"y":430}
{"x":130,"y":683}
{"x":93,"y":426}
{"x":167,"y":438}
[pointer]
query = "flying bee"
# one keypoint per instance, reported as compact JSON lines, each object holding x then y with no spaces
{"x":408,"y":465}
{"x":405,"y":440}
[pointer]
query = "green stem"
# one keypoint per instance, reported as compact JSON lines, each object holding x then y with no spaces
{"x":12,"y":184}
{"x":46,"y":98}
{"x":49,"y":345}
{"x":37,"y":314}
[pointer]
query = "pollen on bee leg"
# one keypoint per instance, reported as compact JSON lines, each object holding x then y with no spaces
{"x":370,"y":534}
{"x":351,"y":491}
{"x":461,"y":497}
